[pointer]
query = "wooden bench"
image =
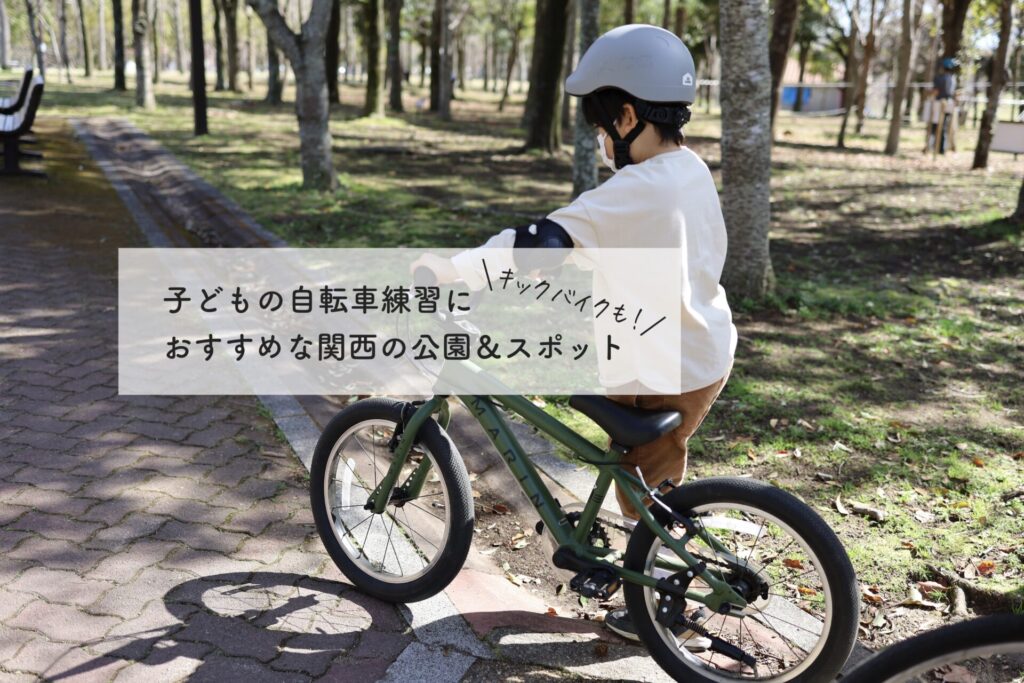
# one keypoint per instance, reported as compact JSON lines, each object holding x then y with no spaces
{"x":10,"y":105}
{"x":14,"y":126}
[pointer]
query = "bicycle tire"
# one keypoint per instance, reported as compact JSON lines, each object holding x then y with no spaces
{"x":995,"y":634}
{"x":452,"y":472}
{"x":828,"y":659}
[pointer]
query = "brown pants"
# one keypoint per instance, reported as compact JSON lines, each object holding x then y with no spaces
{"x":665,"y":457}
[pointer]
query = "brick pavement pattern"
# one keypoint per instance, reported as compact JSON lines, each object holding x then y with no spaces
{"x":145,"y":538}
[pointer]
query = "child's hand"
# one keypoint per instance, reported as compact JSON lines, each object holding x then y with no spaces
{"x":442,"y":268}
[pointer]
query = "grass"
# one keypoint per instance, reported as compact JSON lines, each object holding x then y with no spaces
{"x":887,"y":367}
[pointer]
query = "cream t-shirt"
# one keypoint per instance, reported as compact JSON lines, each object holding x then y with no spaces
{"x":671,"y":201}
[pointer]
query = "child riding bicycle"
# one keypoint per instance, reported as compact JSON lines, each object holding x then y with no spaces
{"x":636,"y":83}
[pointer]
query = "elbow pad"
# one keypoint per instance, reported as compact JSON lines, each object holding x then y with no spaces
{"x":548,"y":244}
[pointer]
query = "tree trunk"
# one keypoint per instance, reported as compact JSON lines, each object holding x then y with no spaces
{"x":783,"y":32}
{"x":374,"y":27}
{"x":86,"y":57}
{"x":5,"y":35}
{"x":33,"y":29}
{"x":510,"y":61}
{"x":195,"y":20}
{"x":850,"y":75}
{"x":628,"y":13}
{"x":179,"y":38}
{"x":250,"y":53}
{"x":746,"y":147}
{"x":435,"y":56}
{"x":680,"y":22}
{"x":995,"y":85}
{"x":275,"y":85}
{"x":332,"y":52}
{"x":119,"y":80}
{"x":141,"y":14}
{"x":908,"y":26}
{"x":155,"y":27}
{"x":542,"y":114}
{"x":487,"y":59}
{"x":804,"y":53}
{"x":305,"y":51}
{"x":584,"y":163}
{"x":63,"y":28}
{"x":954,"y":13}
{"x":394,"y":54}
{"x":570,"y":54}
{"x":231,"y":33}
{"x":865,"y":69}
{"x":104,"y":61}
{"x":1018,"y":215}
{"x":424,"y":51}
{"x":666,"y":14}
{"x":444,"y":90}
{"x":218,"y":45}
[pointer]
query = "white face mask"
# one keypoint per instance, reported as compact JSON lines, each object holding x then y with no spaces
{"x":608,"y":161}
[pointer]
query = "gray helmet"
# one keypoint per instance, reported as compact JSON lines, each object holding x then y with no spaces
{"x":646,"y":61}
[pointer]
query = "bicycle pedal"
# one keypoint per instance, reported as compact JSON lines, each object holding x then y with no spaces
{"x":596,"y":583}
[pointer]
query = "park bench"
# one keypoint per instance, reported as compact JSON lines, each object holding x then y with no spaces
{"x":13,"y":128}
{"x":9,"y":105}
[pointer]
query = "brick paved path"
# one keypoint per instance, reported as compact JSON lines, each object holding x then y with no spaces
{"x":144,"y":537}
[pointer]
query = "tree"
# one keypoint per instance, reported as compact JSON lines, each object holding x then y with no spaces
{"x":142,"y":13}
{"x":809,"y":26}
{"x":584,"y":165}
{"x":195,"y":20}
{"x":394,"y":56}
{"x":33,"y":30}
{"x":997,"y":78}
{"x":373,"y":32}
{"x":179,"y":38}
{"x":1018,"y":216}
{"x":156,"y":26}
{"x":86,"y":59}
{"x":746,"y":146}
{"x":541,"y":114}
{"x":305,"y":51}
{"x":444,"y":61}
{"x":784,"y":20}
{"x":275,"y":84}
{"x":954,"y":13}
{"x":628,"y":12}
{"x":119,"y":80}
{"x":850,"y":70}
{"x":332,"y":51}
{"x":230,"y":8}
{"x":870,"y":47}
{"x":5,"y":35}
{"x":908,"y":27}
{"x":101,"y":44}
{"x":516,"y":24}
{"x":218,"y":45}
{"x":64,"y":55}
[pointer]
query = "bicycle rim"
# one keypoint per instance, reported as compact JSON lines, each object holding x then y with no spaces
{"x":407,"y":539}
{"x":786,"y":631}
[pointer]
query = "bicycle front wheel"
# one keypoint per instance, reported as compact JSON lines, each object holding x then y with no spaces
{"x":800,"y":621}
{"x":418,"y":544}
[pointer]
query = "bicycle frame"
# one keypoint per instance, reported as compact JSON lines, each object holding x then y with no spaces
{"x":554,"y":517}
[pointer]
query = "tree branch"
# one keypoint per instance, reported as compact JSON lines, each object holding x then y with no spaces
{"x":284,"y":39}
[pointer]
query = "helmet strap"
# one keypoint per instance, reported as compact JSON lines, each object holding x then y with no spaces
{"x":619,"y":144}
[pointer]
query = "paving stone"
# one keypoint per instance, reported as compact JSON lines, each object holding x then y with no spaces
{"x":233,"y":636}
{"x":181,"y":487}
{"x":202,"y":537}
{"x":168,"y":662}
{"x":11,"y":640}
{"x":60,"y":661}
{"x":50,"y":501}
{"x":123,"y":566}
{"x":55,"y":526}
{"x":11,"y":603}
{"x":381,"y":645}
{"x":257,"y":518}
{"x":59,"y":586}
{"x":206,"y":563}
{"x":128,"y":600}
{"x":213,"y":435}
{"x":189,"y":510}
{"x":218,"y":668}
{"x":49,"y":479}
{"x":134,"y":526}
{"x":56,"y":554}
{"x":60,"y":622}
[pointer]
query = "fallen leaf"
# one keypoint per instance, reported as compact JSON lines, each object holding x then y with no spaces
{"x":793,"y":563}
{"x":774,"y":422}
{"x":930,"y":587}
{"x":601,"y":650}
{"x":986,"y":567}
{"x":489,"y":551}
{"x":552,"y":612}
{"x":501,"y":509}
{"x":840,"y":446}
{"x":978,"y":462}
{"x":861,"y":509}
{"x":1019,"y":455}
{"x":957,"y":674}
{"x":915,"y":599}
{"x":520,"y":545}
{"x":924,"y":516}
{"x":804,"y":590}
{"x":805,"y":424}
{"x":513,"y":578}
{"x":840,"y":507}
{"x":870,"y":594}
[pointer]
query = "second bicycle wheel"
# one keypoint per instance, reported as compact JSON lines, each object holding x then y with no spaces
{"x":419,"y":543}
{"x":800,"y":623}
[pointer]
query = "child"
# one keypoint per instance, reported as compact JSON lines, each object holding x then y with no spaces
{"x":636,"y":82}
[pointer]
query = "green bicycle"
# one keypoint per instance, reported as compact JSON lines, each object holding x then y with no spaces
{"x":392,"y":502}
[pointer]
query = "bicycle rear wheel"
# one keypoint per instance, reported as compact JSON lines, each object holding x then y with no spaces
{"x":418,"y":544}
{"x":800,"y":623}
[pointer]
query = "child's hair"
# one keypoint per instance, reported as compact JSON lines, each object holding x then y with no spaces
{"x":612,"y":100}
